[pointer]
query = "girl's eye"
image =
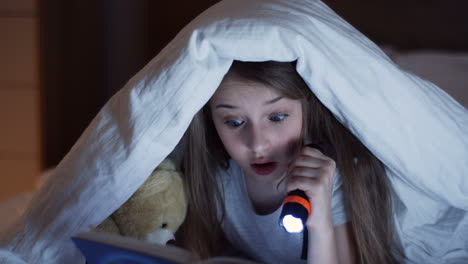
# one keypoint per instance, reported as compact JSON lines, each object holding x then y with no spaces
{"x":278,"y":118}
{"x":234,"y":123}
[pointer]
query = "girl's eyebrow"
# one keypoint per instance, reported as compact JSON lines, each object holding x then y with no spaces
{"x":226,"y":106}
{"x":235,"y":107}
{"x":274,"y":100}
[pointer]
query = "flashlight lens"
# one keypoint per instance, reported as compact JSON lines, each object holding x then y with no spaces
{"x":292,"y":224}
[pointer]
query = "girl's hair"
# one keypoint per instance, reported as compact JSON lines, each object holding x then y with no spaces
{"x":367,"y":190}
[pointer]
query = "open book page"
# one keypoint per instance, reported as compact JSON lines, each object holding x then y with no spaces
{"x":224,"y":260}
{"x":106,"y":248}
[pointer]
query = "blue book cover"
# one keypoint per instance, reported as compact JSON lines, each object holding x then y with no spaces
{"x":105,"y":248}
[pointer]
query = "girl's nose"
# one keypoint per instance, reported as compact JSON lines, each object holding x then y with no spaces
{"x":259,"y":141}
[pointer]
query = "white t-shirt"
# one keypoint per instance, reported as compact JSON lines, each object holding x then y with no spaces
{"x":260,"y":237}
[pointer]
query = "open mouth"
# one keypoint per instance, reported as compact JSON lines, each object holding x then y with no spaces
{"x":264,"y":168}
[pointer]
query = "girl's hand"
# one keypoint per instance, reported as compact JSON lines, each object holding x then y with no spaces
{"x":312,"y":172}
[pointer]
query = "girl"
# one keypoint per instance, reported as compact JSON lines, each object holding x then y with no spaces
{"x":258,"y":117}
{"x":417,"y":132}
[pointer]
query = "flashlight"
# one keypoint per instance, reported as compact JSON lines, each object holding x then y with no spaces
{"x":296,"y":209}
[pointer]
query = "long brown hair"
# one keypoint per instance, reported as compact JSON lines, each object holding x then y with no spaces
{"x":367,"y":190}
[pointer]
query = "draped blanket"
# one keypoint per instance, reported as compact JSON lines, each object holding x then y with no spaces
{"x":417,"y":130}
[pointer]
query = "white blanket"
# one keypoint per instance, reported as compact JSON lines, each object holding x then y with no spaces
{"x":417,"y":130}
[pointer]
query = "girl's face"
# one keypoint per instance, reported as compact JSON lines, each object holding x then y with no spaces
{"x":260,"y":129}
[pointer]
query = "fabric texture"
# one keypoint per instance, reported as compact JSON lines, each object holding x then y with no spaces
{"x":417,"y":130}
{"x":449,"y":70}
{"x":260,"y":236}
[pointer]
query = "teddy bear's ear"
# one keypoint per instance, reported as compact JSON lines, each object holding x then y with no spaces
{"x":166,"y":164}
{"x":160,"y":179}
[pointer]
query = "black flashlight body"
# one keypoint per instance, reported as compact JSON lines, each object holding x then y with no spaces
{"x":297,"y":205}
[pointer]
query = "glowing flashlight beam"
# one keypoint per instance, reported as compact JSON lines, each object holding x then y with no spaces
{"x":292,"y":224}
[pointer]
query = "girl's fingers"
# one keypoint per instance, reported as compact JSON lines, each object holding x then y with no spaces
{"x":307,"y":183}
{"x":310,"y":174}
{"x":310,"y":171}
{"x":311,"y":157}
{"x":313,"y":152}
{"x":313,"y":162}
{"x":301,"y":183}
{"x":306,"y":172}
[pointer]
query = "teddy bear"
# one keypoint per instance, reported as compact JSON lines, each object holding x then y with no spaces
{"x":155,"y":211}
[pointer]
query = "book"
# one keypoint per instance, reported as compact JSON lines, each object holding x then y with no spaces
{"x":107,"y":248}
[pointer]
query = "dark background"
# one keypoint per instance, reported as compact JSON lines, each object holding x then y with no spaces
{"x":89,"y":49}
